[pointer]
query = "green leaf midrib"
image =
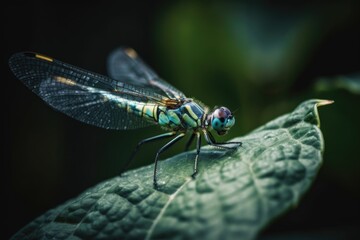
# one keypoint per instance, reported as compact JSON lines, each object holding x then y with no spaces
{"x":161,"y":213}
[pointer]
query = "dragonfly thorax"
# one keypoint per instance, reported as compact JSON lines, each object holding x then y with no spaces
{"x":221,"y":120}
{"x":187,"y":116}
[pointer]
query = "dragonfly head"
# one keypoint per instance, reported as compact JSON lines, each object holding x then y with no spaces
{"x":222,"y":120}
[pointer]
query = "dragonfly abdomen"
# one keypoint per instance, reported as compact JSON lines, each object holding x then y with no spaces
{"x":145,"y":110}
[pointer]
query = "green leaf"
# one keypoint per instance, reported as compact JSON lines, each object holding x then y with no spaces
{"x":349,"y":82}
{"x":235,"y":194}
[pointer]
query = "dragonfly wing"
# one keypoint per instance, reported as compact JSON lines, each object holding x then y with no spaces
{"x":125,"y":65}
{"x":83,"y":95}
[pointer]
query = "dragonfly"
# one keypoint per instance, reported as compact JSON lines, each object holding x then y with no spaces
{"x":133,"y":96}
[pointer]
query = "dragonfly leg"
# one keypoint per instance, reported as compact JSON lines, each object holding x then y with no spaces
{"x":223,"y":143}
{"x":188,"y":144}
{"x":166,"y":146}
{"x":211,"y":141}
{"x":147,"y":140}
{"x":198,"y":146}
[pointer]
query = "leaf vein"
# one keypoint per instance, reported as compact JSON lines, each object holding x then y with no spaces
{"x":162,"y":212}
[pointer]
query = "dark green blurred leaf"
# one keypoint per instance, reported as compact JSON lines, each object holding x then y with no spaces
{"x":350,"y":83}
{"x":248,"y":42}
{"x":234,"y":196}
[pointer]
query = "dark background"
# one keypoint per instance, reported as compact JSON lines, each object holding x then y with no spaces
{"x":261,"y":58}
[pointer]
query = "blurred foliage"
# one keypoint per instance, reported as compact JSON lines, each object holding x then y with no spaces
{"x":253,"y":57}
{"x":238,"y":54}
{"x":350,"y":83}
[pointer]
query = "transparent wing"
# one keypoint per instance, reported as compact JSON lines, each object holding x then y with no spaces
{"x":83,"y":95}
{"x":125,"y":65}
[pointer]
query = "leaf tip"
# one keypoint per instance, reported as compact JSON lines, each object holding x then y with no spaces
{"x":323,"y":102}
{"x":319,"y":103}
